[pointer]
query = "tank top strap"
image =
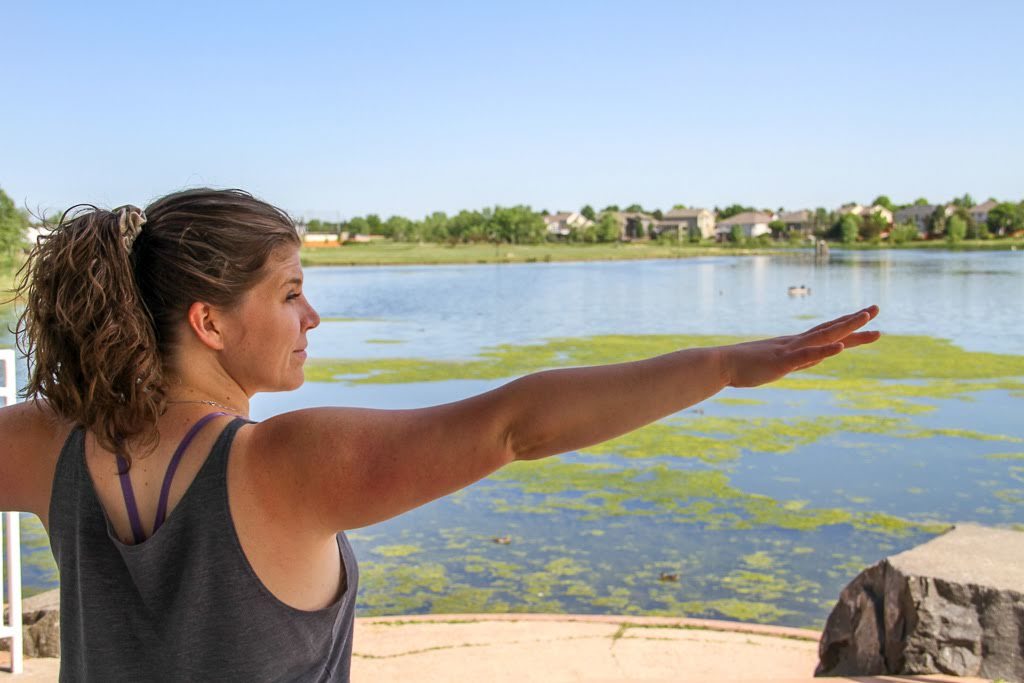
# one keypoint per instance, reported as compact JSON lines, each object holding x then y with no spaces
{"x":165,"y":490}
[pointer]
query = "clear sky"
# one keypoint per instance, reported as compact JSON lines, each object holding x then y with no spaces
{"x":345,"y":108}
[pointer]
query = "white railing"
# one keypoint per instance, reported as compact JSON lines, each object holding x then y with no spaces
{"x":11,"y":551}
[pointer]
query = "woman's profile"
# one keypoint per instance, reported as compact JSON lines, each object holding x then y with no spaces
{"x":194,"y":544}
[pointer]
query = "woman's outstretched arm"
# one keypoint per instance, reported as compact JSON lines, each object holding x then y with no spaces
{"x":342,"y":468}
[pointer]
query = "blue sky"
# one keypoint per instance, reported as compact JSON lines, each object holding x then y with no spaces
{"x":338,"y":109}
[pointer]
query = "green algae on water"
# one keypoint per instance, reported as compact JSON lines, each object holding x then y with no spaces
{"x":690,"y":496}
{"x":397,"y":550}
{"x":728,"y":401}
{"x":893,"y":357}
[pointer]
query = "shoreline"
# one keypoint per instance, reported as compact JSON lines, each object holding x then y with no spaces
{"x":406,"y":253}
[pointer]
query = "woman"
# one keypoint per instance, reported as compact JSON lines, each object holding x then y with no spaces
{"x":150,"y":332}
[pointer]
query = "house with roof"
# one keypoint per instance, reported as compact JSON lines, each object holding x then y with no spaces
{"x":634,"y":225}
{"x":865,"y":211}
{"x":687,"y":224}
{"x":919,"y":215}
{"x":980,"y":212}
{"x":562,"y":224}
{"x":752,"y":223}
{"x":797,"y":222}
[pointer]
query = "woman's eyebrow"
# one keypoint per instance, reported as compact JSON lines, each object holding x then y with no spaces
{"x":292,"y":281}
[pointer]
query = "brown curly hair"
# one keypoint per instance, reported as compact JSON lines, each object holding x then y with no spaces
{"x":102,"y":308}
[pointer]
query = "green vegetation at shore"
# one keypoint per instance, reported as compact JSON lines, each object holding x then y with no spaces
{"x":406,"y":253}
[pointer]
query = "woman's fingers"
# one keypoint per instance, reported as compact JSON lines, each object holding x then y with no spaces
{"x":812,"y":355}
{"x":839,"y":328}
{"x":829,"y":323}
{"x":860,"y":338}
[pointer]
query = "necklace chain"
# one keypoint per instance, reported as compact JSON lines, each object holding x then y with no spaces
{"x":236,"y":411}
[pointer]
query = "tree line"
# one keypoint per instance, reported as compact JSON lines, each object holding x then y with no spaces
{"x":14,"y":223}
{"x":522,"y":225}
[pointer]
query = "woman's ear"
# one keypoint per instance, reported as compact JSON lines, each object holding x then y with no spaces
{"x":205,"y":324}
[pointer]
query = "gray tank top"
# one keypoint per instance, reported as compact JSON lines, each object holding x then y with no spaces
{"x":185,"y":605}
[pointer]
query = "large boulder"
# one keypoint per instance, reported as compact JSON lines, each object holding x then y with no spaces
{"x":40,"y":624}
{"x":954,"y":605}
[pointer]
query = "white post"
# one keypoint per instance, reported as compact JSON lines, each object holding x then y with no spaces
{"x":11,"y":551}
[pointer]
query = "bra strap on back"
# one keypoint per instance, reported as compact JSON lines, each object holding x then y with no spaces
{"x":165,"y":490}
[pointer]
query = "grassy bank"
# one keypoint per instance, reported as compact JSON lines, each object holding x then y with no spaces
{"x":400,"y":253}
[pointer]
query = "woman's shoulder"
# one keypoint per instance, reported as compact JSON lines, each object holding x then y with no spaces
{"x":31,"y":438}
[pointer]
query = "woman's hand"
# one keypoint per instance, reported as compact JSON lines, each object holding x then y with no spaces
{"x":766,"y":360}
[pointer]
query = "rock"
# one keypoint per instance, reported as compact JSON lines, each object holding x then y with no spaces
{"x":40,"y":623}
{"x":954,"y":605}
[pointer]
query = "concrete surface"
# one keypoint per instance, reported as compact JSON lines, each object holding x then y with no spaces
{"x":556,"y":648}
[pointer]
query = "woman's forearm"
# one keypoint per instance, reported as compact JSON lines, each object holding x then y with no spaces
{"x":562,"y":410}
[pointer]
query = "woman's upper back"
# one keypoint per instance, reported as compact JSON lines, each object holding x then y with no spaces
{"x":187,"y":601}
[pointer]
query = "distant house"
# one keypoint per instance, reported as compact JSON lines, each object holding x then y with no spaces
{"x":752,"y":223}
{"x":347,"y":237}
{"x":980,"y":212}
{"x":691,"y":223}
{"x":561,"y":224}
{"x":634,"y":225}
{"x":797,"y":222}
{"x":865,"y":211}
{"x":919,"y":215}
{"x":320,"y":239}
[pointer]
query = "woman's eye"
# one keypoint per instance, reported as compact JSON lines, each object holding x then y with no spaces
{"x":293,"y":295}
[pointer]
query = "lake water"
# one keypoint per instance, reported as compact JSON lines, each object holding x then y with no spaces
{"x":770,"y":533}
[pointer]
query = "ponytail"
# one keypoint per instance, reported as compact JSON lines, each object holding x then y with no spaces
{"x":87,"y":329}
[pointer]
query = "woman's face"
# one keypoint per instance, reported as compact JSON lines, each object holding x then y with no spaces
{"x":265,"y":338}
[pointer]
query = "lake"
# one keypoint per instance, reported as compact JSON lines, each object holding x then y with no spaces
{"x":757,"y":505}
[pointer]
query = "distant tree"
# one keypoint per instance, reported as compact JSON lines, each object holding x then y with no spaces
{"x":607,"y":229}
{"x":610,"y":207}
{"x":373,"y":221}
{"x":821,"y":222}
{"x":732,"y":210}
{"x":936,"y":222}
{"x":967,"y":201}
{"x":872,"y":226}
{"x":956,"y":229}
{"x":778,"y":229}
{"x":920,"y":201}
{"x":358,"y":226}
{"x":433,"y":228}
{"x":398,"y":228}
{"x":657,"y":214}
{"x":964,"y":213}
{"x":467,"y":226}
{"x":736,"y":234}
{"x":903,"y":232}
{"x":883,"y":200}
{"x":13,"y":224}
{"x":849,"y":228}
{"x":634,"y":208}
{"x":1006,"y":218}
{"x":517,"y":225}
{"x":678,"y":207}
{"x":588,"y":212}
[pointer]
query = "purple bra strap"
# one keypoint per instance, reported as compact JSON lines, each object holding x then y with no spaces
{"x":161,"y":510}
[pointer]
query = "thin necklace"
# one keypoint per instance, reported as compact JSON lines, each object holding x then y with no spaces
{"x":236,"y":411}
